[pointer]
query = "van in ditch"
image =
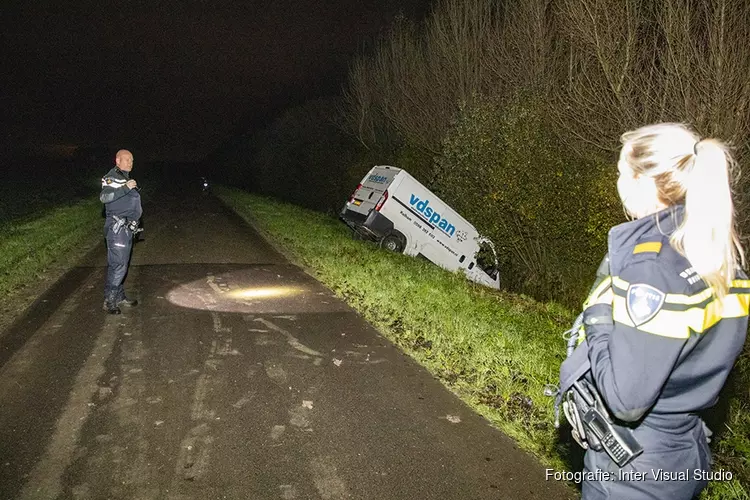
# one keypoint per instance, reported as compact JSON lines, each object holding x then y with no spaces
{"x":395,"y":210}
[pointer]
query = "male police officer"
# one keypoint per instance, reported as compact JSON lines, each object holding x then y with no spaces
{"x":123,"y":209}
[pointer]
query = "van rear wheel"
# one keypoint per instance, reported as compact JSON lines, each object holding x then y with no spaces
{"x":393,"y":242}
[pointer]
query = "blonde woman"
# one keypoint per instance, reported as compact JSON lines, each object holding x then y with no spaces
{"x":664,"y":329}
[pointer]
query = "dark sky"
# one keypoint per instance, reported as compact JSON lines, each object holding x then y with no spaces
{"x":172,"y":79}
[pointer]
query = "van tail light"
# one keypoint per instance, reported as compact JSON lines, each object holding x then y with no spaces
{"x":381,"y":201}
{"x":351,"y":198}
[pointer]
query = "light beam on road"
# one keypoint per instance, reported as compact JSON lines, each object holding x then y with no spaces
{"x":254,"y":290}
{"x":259,"y":293}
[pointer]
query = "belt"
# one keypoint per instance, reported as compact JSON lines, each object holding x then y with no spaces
{"x":120,"y":222}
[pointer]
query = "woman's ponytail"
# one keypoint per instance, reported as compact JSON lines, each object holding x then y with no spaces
{"x":707,"y":236}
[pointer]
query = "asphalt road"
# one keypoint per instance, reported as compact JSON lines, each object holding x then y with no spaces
{"x":238,"y":376}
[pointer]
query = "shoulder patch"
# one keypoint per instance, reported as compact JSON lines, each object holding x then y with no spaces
{"x":643,"y":302}
{"x":108,"y":180}
{"x":648,"y":247}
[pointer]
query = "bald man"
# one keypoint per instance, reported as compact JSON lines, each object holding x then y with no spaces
{"x":122,"y":202}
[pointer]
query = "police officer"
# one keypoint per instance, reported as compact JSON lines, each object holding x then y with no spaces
{"x":664,"y":328}
{"x":123,"y":210}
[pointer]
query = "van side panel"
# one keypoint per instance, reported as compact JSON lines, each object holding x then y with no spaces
{"x":432,"y":228}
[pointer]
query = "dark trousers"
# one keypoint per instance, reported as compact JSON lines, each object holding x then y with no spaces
{"x":119,"y":247}
{"x":672,"y":458}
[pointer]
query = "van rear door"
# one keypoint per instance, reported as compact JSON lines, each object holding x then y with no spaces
{"x":371,"y":189}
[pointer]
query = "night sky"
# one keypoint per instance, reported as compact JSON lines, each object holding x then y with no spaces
{"x":172,"y":80}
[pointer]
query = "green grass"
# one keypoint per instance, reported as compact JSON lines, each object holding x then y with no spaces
{"x":495,"y":350}
{"x":29,"y":247}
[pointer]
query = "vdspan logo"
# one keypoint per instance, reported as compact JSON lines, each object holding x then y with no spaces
{"x":379,"y":179}
{"x":434,"y":218}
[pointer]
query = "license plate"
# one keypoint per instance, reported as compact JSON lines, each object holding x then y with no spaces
{"x":357,"y":202}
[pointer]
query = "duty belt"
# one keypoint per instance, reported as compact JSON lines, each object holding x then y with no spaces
{"x":121,"y":222}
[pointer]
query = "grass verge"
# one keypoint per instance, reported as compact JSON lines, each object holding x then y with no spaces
{"x":34,"y":253}
{"x":494,"y":350}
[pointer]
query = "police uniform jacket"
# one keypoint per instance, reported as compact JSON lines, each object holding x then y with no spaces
{"x":660,"y":344}
{"x":118,"y":198}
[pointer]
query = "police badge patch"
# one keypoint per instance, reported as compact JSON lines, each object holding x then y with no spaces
{"x":643,"y":302}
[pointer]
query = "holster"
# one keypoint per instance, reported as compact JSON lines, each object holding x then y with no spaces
{"x":124,"y":222}
{"x":597,"y":428}
{"x":119,"y":224}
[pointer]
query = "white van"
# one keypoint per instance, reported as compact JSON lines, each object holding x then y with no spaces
{"x":392,"y":208}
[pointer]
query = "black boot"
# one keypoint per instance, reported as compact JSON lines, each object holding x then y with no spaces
{"x":111,"y":308}
{"x":110,"y":304}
